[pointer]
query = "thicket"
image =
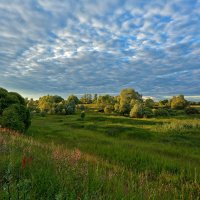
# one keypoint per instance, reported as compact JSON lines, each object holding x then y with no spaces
{"x":13,"y":111}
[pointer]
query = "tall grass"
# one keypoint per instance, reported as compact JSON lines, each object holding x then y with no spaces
{"x":102,"y":157}
{"x":180,"y":126}
{"x":59,"y":173}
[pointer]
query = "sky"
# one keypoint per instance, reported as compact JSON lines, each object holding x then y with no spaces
{"x":100,"y":46}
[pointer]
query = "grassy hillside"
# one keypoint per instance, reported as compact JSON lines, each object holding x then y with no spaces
{"x":102,"y":157}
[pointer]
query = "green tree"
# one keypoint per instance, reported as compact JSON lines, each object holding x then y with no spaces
{"x":32,"y":105}
{"x":148,"y":113}
{"x":149,"y":103}
{"x":3,"y":103}
{"x":86,"y":99}
{"x":83,"y":115}
{"x":11,"y":119}
{"x":105,"y":100}
{"x":70,"y":108}
{"x":160,"y":112}
{"x":18,"y":96}
{"x":73,"y":98}
{"x":57,"y":99}
{"x":164,"y":103}
{"x":95,"y":98}
{"x":16,"y":117}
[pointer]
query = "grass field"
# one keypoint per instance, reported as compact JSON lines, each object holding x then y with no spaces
{"x":103,"y":157}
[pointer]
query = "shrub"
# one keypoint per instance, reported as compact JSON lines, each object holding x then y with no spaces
{"x":43,"y":114}
{"x":149,"y":103}
{"x":70,"y":109}
{"x":160,"y":112}
{"x":136,"y":111}
{"x":81,"y":107}
{"x":191,"y":110}
{"x":108,"y":109}
{"x":82,"y":115}
{"x":148,"y":113}
{"x":178,"y":102}
{"x":180,"y":112}
{"x":11,"y":119}
{"x":16,"y":117}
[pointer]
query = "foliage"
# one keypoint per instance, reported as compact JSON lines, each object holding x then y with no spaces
{"x":178,"y":102}
{"x":47,"y":103}
{"x":147,"y":113}
{"x":16,"y":117}
{"x":56,"y":105}
{"x":14,"y":113}
{"x":191,"y":110}
{"x":11,"y":119}
{"x":108,"y":109}
{"x":18,"y":96}
{"x":137,"y":111}
{"x":70,"y":108}
{"x":105,"y":101}
{"x":149,"y":103}
{"x":80,"y":107}
{"x":160,"y":112}
{"x":164,"y":103}
{"x":83,"y":115}
{"x":86,"y":99}
{"x":73,"y":99}
{"x":95,"y":98}
{"x":9,"y":98}
{"x":124,"y":105}
{"x":32,"y":105}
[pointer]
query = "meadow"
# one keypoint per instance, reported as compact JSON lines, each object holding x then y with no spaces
{"x":102,"y":157}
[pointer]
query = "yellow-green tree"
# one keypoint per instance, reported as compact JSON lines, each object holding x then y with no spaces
{"x":178,"y":102}
{"x":125,"y":100}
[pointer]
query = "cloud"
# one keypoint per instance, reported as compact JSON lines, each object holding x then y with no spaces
{"x":100,"y":46}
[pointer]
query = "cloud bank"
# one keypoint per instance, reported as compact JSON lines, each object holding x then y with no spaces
{"x":91,"y":46}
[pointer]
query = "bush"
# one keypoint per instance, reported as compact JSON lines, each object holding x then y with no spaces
{"x":178,"y":102}
{"x":136,"y":111}
{"x":80,"y":107}
{"x":148,"y":113}
{"x":70,"y":109}
{"x":108,"y":109}
{"x":191,"y":110}
{"x":82,"y":115}
{"x":43,"y":114}
{"x":160,"y":112}
{"x":180,"y":112}
{"x":16,"y":117}
{"x":11,"y":119}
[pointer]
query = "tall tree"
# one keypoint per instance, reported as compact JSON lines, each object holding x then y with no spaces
{"x":86,"y":99}
{"x":178,"y":102}
{"x":124,"y":100}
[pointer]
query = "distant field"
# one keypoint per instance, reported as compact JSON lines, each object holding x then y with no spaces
{"x":196,"y":106}
{"x":126,"y":158}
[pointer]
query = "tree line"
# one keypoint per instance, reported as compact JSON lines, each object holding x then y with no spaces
{"x":128,"y":103}
{"x":15,"y":111}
